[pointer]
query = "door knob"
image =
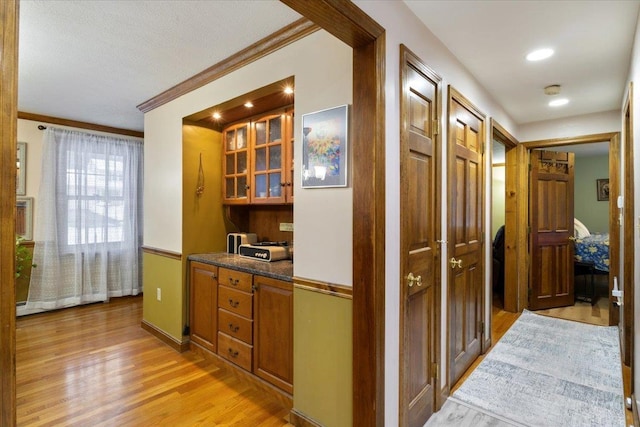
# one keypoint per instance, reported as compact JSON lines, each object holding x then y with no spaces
{"x":414,"y":279}
{"x":573,"y":239}
{"x":455,"y":263}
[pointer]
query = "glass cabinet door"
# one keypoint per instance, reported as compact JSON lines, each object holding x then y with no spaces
{"x":268,"y":161}
{"x":236,"y":164}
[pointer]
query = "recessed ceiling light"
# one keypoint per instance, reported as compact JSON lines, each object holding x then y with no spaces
{"x":216,"y":115}
{"x":558,"y":102}
{"x":248,"y":104}
{"x":288,"y":90}
{"x":539,"y":54}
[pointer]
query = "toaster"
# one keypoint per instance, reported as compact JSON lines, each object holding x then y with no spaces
{"x":234,"y":240}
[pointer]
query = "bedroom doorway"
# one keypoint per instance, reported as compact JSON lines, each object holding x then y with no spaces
{"x":589,"y":144}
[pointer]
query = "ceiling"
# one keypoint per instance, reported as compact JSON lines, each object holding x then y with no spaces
{"x":95,"y":61}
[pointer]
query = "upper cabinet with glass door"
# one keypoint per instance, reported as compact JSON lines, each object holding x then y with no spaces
{"x":236,"y":164}
{"x":269,"y":179}
{"x":271,"y":159}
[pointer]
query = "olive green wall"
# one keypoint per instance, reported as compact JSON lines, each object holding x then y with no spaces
{"x":322,"y":357}
{"x":164,"y":273}
{"x":203,"y":225}
{"x":591,"y":212}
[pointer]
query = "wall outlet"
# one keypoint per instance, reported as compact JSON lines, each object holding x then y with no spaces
{"x":286,"y":226}
{"x":159,"y":294}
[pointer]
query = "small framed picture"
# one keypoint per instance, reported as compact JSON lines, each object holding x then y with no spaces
{"x":603,"y":189}
{"x":24,"y":217}
{"x":324,"y":147}
{"x":21,"y":169}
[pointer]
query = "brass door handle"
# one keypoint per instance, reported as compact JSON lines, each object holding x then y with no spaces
{"x":573,"y":239}
{"x":414,"y":279}
{"x":455,"y":263}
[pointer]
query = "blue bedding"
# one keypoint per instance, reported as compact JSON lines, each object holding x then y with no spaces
{"x":594,"y":248}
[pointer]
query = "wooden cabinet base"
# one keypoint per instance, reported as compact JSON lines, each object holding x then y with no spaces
{"x":285,"y":399}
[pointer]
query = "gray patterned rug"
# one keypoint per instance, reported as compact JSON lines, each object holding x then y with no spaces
{"x":551,"y":372}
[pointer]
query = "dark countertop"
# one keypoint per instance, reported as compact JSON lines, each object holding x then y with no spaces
{"x":281,"y":270}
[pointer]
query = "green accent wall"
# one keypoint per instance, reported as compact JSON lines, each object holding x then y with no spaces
{"x":593,"y":213}
{"x":322,"y":357}
{"x":165,"y":273}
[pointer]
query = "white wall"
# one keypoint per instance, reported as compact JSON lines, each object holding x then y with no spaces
{"x":634,"y":77}
{"x":586,"y":124}
{"x":403,"y":27}
{"x":322,"y":67}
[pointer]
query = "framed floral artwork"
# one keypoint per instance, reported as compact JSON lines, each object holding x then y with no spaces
{"x":24,"y":217}
{"x":324,"y":148}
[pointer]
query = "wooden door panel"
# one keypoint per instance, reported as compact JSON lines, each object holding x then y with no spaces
{"x":551,"y":195}
{"x":465,"y":231}
{"x":419,"y":206}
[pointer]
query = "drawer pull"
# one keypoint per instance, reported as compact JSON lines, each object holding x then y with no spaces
{"x":233,"y":328}
{"x":234,"y":282}
{"x":233,"y":303}
{"x":233,"y":353}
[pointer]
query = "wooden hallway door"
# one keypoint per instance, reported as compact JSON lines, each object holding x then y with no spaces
{"x":419,"y":234}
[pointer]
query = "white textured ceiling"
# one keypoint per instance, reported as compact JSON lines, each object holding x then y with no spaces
{"x":95,"y":61}
{"x":592,"y":42}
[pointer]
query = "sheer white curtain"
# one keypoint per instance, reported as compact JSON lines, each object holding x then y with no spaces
{"x":88,"y":229}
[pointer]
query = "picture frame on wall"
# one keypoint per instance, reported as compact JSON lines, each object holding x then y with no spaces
{"x":24,"y":217}
{"x":603,"y":189}
{"x":21,"y":169}
{"x":324,"y":148}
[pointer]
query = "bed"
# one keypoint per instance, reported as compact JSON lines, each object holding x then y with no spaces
{"x":591,"y":248}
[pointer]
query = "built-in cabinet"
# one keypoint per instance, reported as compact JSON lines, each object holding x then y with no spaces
{"x":246,"y":319}
{"x":204,"y":305}
{"x":258,"y":160}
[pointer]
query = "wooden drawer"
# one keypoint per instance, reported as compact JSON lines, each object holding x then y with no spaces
{"x":235,"y":279}
{"x":236,"y":326}
{"x":235,"y":351}
{"x":236,"y":302}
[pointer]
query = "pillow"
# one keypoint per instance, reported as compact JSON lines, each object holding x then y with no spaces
{"x":579,"y":229}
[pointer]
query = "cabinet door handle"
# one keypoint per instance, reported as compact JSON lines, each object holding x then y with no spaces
{"x":233,"y":303}
{"x":233,"y":328}
{"x":234,"y":282}
{"x":233,"y":353}
{"x":282,"y":184}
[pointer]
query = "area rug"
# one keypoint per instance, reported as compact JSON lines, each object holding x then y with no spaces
{"x":550,"y":372}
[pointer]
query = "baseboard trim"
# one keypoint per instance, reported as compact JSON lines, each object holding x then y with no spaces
{"x":634,"y":410}
{"x":442,"y":397}
{"x":179,"y":346}
{"x":300,"y":420}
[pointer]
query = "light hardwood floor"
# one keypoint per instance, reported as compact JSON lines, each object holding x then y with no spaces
{"x":94,"y":366}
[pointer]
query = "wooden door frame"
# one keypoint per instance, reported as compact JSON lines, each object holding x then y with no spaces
{"x":629,"y":235}
{"x":514,"y":261}
{"x":350,"y":24}
{"x":8,"y":137}
{"x":613,"y":138}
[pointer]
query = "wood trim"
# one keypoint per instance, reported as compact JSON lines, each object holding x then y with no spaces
{"x":522,"y":239}
{"x":326,"y":288}
{"x":350,"y":24}
{"x":341,"y":18}
{"x":283,"y":37}
{"x":300,"y":420}
{"x":162,"y":252}
{"x":8,"y":135}
{"x":572,"y":140}
{"x":77,"y":124}
{"x":614,"y":241}
{"x":629,"y":215}
{"x":501,"y":134}
{"x":512,"y":258}
{"x":179,"y":346}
